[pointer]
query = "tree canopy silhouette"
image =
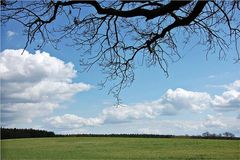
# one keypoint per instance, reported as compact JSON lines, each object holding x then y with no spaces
{"x":118,"y":35}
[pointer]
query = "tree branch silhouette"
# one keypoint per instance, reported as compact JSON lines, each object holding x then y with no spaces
{"x":116,"y":35}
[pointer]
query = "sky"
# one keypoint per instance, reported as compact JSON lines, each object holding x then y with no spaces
{"x":45,"y":89}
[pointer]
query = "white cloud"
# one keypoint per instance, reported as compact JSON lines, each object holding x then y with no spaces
{"x":73,"y":131}
{"x":234,"y":86}
{"x":10,"y":34}
{"x":172,"y":103}
{"x":12,"y":113}
{"x":183,"y":99}
{"x":229,"y":99}
{"x":213,"y":122}
{"x":150,"y":131}
{"x":33,"y":85}
{"x":128,"y":113}
{"x":70,"y":121}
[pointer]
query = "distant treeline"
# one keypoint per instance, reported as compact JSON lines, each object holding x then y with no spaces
{"x":9,"y":133}
{"x":203,"y":136}
{"x":119,"y":135}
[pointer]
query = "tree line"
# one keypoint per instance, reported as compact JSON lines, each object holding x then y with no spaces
{"x":10,"y":133}
{"x":206,"y":135}
{"x":119,"y":135}
{"x":221,"y":135}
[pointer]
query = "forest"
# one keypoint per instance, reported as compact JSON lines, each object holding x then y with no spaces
{"x":11,"y":133}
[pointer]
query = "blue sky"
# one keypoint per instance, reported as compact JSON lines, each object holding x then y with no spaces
{"x":45,"y":90}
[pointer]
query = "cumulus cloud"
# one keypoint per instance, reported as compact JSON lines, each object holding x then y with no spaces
{"x":172,"y":103}
{"x":12,"y":113}
{"x":10,"y":34}
{"x":219,"y":122}
{"x":34,"y":85}
{"x":234,"y":86}
{"x":181,"y":98}
{"x":216,"y":123}
{"x":213,"y":122}
{"x":70,"y":121}
{"x":128,"y":113}
{"x":229,"y":99}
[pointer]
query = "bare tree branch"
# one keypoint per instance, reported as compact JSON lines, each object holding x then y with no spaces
{"x":115,"y":35}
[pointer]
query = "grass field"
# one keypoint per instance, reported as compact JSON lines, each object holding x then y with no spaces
{"x":111,"y":148}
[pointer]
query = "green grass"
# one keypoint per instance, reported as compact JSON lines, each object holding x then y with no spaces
{"x":111,"y":148}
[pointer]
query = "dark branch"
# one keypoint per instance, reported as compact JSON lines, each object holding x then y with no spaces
{"x":116,"y":35}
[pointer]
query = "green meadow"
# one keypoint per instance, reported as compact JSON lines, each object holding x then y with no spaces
{"x":116,"y":148}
